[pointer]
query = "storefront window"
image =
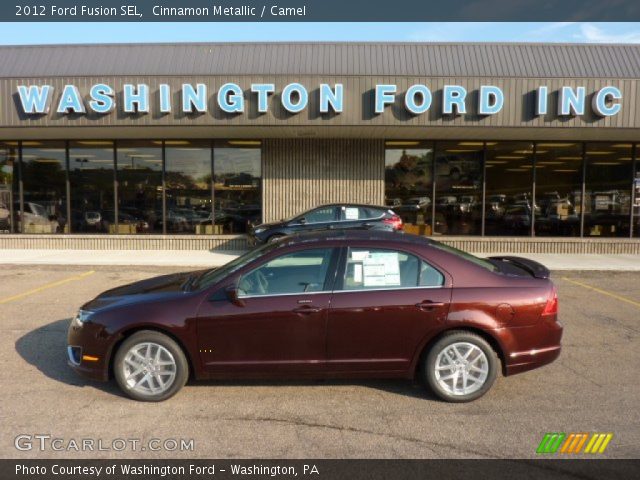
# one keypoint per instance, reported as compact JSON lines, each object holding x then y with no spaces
{"x":8,"y":186}
{"x":458,"y":188}
{"x":139,"y":188}
{"x":91,"y":179}
{"x":409,"y":182}
{"x":509,"y":202}
{"x":608,"y":189}
{"x":237,"y":177}
{"x":188,"y":183}
{"x":558,"y":189}
{"x":45,"y":189}
{"x":636,"y":195}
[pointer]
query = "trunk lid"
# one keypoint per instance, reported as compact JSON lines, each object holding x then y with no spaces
{"x":535,"y":269}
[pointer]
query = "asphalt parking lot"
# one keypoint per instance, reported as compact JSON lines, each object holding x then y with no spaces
{"x":593,"y":387}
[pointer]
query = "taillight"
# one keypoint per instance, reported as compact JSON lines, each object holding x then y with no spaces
{"x":395,"y":221}
{"x":551,"y":308}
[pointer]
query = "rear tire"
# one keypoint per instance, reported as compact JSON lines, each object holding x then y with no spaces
{"x":460,"y":367}
{"x":150,"y":366}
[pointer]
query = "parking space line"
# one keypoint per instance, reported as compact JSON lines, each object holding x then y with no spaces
{"x":604,"y":292}
{"x":47,"y":286}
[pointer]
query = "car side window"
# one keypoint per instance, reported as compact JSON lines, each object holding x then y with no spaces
{"x":372,"y":268}
{"x":348,"y":213}
{"x":320,"y":215}
{"x":429,"y":276}
{"x":298,"y":272}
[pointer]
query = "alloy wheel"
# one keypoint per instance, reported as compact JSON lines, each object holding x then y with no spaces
{"x":461,"y":368}
{"x":149,"y":368}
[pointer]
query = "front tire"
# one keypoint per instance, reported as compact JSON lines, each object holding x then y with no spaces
{"x":460,"y":367}
{"x":150,"y":366}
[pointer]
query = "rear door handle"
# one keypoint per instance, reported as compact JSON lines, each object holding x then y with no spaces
{"x":306,"y":309}
{"x":428,"y":305}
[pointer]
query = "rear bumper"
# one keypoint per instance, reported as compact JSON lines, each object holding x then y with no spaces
{"x":523,"y":361}
{"x":526,"y":348}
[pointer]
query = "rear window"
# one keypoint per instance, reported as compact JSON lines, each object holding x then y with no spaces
{"x":373,"y":268}
{"x":466,"y":256}
{"x":359,"y":213}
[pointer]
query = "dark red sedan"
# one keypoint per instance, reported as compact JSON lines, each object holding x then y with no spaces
{"x":333,"y":304}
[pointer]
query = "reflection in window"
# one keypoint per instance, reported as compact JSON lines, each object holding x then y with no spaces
{"x":319,"y":215}
{"x":408,"y":183}
{"x":188,"y":184}
{"x":45,"y":191}
{"x":139,"y":188}
{"x":558,"y":188}
{"x":91,"y":180}
{"x":237,"y":174}
{"x":298,"y":272}
{"x":608,"y":189}
{"x":8,"y":186}
{"x":509,"y":204}
{"x":458,"y":188}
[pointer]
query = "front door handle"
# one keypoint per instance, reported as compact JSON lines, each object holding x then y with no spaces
{"x":428,"y":305}
{"x":306,"y":309}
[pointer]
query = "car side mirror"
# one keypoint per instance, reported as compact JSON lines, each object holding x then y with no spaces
{"x":233,"y":296}
{"x":302,"y":220}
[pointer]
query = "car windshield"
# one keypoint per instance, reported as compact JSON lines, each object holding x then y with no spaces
{"x":215,"y":275}
{"x":467,"y":256}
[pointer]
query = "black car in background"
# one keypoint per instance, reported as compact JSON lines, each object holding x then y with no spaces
{"x":338,"y":216}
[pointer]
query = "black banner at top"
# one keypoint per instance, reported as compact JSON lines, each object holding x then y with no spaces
{"x":318,"y":10}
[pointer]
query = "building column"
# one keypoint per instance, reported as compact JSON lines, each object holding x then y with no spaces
{"x":299,"y":174}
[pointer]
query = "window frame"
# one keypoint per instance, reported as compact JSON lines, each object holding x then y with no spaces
{"x":296,"y":221}
{"x":329,"y":280}
{"x":342,"y":271}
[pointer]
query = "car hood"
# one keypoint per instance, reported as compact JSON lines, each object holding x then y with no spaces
{"x":267,"y":226}
{"x":156,"y":288}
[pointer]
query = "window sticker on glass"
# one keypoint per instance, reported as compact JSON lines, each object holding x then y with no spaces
{"x":381,"y":269}
{"x":359,"y":256}
{"x":357,"y":273}
{"x":351,"y":213}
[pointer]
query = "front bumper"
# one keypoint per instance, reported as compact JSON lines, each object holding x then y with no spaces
{"x":88,"y":351}
{"x":87,"y":370}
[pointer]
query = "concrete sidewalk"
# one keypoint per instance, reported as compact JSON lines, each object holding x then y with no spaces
{"x":205,"y":258}
{"x":179,"y":258}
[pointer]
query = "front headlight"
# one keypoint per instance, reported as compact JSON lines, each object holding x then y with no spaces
{"x":259,"y":230}
{"x":82,"y":316}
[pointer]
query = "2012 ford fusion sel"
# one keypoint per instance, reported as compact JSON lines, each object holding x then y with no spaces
{"x":324,"y":305}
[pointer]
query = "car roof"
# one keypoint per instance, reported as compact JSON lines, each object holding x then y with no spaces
{"x":346,"y":235}
{"x":349,"y":204}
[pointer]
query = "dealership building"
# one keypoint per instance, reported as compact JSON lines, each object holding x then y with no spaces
{"x":490,"y":147}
